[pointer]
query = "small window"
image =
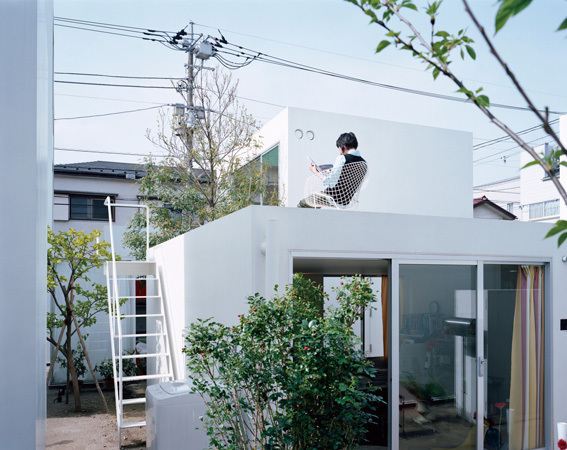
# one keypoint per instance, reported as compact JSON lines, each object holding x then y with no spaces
{"x":86,"y":207}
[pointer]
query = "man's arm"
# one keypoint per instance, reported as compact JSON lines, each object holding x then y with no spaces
{"x":333,"y":177}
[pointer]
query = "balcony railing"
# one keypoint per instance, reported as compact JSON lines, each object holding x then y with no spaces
{"x":541,"y":210}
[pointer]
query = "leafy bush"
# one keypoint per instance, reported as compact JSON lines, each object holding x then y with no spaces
{"x":104,"y":368}
{"x":287,"y":376}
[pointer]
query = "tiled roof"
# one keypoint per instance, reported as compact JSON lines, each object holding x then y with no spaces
{"x":102,"y":169}
{"x":485,"y":201}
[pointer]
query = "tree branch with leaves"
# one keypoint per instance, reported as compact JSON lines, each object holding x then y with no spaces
{"x":211,"y":168}
{"x":71,"y":255}
{"x":438,"y":53}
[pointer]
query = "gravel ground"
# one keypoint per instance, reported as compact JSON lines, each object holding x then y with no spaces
{"x":92,"y":428}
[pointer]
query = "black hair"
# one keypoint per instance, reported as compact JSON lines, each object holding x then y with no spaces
{"x":348,"y":140}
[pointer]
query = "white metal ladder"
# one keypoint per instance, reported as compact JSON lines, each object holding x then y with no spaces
{"x":121,"y":277}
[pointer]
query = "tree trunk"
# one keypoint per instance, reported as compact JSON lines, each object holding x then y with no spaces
{"x":71,"y":368}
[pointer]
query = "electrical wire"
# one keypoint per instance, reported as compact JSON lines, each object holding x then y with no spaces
{"x":78,"y":150}
{"x":111,"y":114}
{"x":476,"y":162}
{"x":222,"y":47}
{"x":507,"y":137}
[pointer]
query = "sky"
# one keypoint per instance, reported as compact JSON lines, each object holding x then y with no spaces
{"x":328,"y":34}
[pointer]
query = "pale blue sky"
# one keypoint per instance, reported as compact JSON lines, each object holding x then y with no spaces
{"x":328,"y":34}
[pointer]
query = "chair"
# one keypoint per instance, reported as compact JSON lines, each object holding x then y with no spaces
{"x":344,"y":195}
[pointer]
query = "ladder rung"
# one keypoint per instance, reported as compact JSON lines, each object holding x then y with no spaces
{"x":141,"y":335}
{"x":125,"y":316}
{"x":135,"y":279}
{"x":147,"y":377}
{"x":134,"y":401}
{"x":133,"y":424}
{"x":143,"y":355}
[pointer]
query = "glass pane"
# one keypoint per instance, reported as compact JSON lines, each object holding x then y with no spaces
{"x":79,"y":208}
{"x":438,"y":375}
{"x":514,"y":349}
{"x":100,"y":211}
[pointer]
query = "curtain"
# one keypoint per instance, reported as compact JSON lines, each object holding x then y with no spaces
{"x":527,"y":362}
{"x":384,"y":297}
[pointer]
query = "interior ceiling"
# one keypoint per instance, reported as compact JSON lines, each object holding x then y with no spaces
{"x":340,"y":267}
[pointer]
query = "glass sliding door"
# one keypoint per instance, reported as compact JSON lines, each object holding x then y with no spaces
{"x":437,"y":356}
{"x":515,"y":357}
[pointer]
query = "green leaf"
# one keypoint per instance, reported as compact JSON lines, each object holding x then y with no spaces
{"x":507,"y":9}
{"x":471,"y":51}
{"x":442,"y":34}
{"x":382,"y":45}
{"x":563,"y":25}
{"x":409,"y":5}
{"x":355,"y":2}
{"x":531,"y":163}
{"x":561,"y":239}
{"x":436,"y":73}
{"x":560,"y":226}
{"x":483,"y":100}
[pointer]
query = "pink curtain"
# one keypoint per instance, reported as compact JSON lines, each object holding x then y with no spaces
{"x":527,"y":362}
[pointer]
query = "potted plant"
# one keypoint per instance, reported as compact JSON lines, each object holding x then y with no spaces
{"x":424,"y":394}
{"x":106,"y":372}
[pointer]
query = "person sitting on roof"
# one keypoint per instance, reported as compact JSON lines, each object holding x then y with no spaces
{"x":337,"y":183}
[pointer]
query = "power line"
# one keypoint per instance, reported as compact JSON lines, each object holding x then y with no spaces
{"x":358,"y":58}
{"x":85,"y":83}
{"x":110,"y":114}
{"x":507,"y":137}
{"x":222,"y":47}
{"x":507,"y":150}
{"x":79,"y":150}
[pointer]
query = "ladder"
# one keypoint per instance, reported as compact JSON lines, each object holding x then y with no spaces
{"x":121,"y":277}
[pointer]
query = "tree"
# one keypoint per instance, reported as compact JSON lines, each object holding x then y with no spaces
{"x":439,"y":50}
{"x":211,"y":168}
{"x":70,"y":256}
{"x":288,"y":375}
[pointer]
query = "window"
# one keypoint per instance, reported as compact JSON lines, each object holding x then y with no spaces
{"x":543,"y":209}
{"x":88,"y":207}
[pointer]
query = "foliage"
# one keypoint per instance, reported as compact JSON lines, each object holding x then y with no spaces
{"x":71,"y":255}
{"x":439,"y":50}
{"x":423,"y":391}
{"x":104,"y":368}
{"x":209,"y":170}
{"x":287,"y":375}
{"x":78,"y":359}
{"x":129,"y":367}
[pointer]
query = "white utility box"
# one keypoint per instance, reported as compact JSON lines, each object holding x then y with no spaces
{"x":172,"y":417}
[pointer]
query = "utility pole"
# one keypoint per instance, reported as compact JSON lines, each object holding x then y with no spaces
{"x":189,"y":115}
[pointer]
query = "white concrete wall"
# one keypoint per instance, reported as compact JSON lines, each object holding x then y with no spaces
{"x":26,"y":146}
{"x":215,"y":267}
{"x":534,"y":188}
{"x":563,"y":169}
{"x":411,"y":166}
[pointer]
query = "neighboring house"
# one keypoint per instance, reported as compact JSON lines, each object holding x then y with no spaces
{"x":483,"y":208}
{"x":78,"y":202}
{"x":504,"y":193}
{"x":471,"y":305}
{"x":531,"y":196}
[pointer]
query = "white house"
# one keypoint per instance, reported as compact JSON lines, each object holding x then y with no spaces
{"x":474,"y":306}
{"x":79,"y":191}
{"x":531,"y":196}
{"x":413,"y":169}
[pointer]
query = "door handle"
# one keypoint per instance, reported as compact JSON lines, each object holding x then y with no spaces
{"x":481,"y":362}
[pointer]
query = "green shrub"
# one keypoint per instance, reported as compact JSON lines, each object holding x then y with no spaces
{"x":288,"y":375}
